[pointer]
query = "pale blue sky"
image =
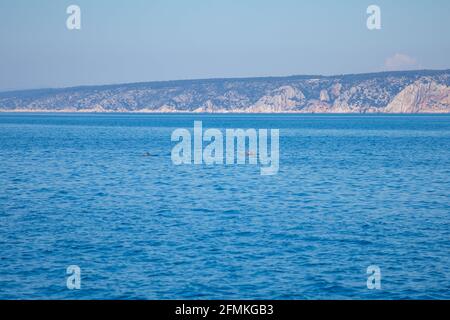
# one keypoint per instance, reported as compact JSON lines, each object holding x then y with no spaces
{"x":144,"y":40}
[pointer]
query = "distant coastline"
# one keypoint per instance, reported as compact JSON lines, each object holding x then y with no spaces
{"x":22,"y":111}
{"x":403,"y":92}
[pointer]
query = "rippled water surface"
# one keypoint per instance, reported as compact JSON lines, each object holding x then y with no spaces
{"x":352,"y":191}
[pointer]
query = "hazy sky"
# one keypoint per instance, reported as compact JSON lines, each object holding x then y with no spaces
{"x":144,"y":40}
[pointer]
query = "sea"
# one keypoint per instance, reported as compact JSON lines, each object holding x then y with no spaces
{"x":353,"y":194}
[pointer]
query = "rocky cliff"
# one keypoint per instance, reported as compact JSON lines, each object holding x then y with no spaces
{"x":388,"y":92}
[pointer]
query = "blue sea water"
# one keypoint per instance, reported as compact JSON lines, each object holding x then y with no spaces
{"x":352,"y":191}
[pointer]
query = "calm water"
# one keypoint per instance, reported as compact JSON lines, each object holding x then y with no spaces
{"x":352,"y":191}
